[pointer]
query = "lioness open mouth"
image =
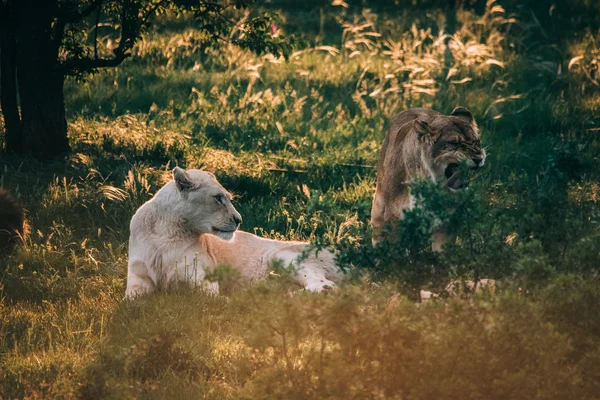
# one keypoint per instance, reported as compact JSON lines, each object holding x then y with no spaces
{"x":453,"y":175}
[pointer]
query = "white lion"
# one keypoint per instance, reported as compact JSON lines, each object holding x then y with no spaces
{"x":189,"y":227}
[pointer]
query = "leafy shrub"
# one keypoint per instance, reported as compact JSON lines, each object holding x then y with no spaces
{"x":522,"y":228}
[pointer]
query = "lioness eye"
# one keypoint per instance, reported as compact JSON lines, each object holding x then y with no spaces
{"x":220,"y":199}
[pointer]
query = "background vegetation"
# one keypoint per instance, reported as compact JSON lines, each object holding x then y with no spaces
{"x":297,"y":142}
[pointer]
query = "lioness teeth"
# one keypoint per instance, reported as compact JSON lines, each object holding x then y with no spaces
{"x":450,"y":170}
{"x":455,"y":182}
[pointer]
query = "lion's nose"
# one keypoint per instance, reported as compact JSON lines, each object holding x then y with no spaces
{"x":237,"y":219}
{"x":477,"y":160}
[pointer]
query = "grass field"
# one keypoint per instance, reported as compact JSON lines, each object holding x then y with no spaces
{"x":297,"y":142}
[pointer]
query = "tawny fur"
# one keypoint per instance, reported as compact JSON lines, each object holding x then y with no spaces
{"x":418,"y":146}
{"x":181,"y":225}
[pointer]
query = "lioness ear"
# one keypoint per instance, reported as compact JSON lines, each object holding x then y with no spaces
{"x":463,"y":113}
{"x":422,"y":128}
{"x":182,"y":179}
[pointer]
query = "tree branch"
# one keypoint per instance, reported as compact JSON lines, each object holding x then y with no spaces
{"x":152,"y":11}
{"x":128,"y":33}
{"x":98,"y":12}
{"x":88,"y":64}
{"x":59,"y":34}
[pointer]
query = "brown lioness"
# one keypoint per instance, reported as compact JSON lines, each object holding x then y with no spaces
{"x":422,"y":143}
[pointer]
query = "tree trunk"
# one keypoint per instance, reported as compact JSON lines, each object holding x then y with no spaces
{"x":29,"y":66}
{"x":8,"y":81}
{"x":43,"y":121}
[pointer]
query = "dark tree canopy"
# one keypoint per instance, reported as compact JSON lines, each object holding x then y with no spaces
{"x":44,"y":41}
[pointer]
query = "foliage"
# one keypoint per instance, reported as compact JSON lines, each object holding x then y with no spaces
{"x":96,"y":34}
{"x":43,"y":42}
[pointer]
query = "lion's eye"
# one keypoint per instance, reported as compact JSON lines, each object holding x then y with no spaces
{"x":454,"y":142}
{"x":220,"y":199}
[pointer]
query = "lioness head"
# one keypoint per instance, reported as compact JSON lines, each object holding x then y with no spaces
{"x":446,"y":141}
{"x":203,"y":204}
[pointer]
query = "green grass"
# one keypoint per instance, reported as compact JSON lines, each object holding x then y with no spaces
{"x":297,"y":143}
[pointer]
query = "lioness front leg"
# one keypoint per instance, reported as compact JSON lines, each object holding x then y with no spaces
{"x":138,"y":284}
{"x":378,"y":217}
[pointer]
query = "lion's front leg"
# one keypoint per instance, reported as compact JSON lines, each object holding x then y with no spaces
{"x":138,"y":281}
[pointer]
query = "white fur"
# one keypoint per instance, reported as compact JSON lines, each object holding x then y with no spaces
{"x":174,"y":238}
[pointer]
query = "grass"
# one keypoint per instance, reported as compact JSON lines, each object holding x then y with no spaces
{"x":297,"y":142}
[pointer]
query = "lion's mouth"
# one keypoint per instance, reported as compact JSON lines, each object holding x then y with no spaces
{"x":453,"y":175}
{"x":223,"y":234}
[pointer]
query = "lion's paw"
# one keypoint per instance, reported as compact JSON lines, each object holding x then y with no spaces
{"x":320,"y":285}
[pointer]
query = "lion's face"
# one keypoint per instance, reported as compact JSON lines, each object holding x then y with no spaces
{"x":449,"y":140}
{"x":203,"y":204}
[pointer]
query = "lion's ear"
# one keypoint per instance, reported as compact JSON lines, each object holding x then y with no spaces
{"x":463,"y":113}
{"x":422,"y":128}
{"x":182,"y":179}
